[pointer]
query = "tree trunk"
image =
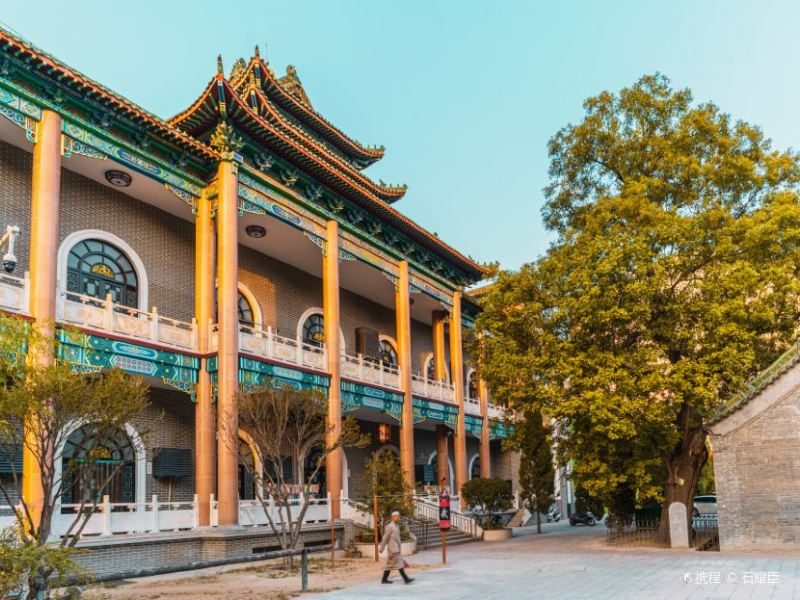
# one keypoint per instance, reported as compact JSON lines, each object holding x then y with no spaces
{"x":683,"y":468}
{"x":538,"y":521}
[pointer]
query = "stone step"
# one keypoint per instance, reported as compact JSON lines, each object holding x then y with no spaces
{"x":437,"y":543}
{"x":454,"y":538}
{"x":517,"y":519}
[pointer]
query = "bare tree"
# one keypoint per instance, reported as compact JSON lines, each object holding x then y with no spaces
{"x":41,"y":404}
{"x":282,"y":423}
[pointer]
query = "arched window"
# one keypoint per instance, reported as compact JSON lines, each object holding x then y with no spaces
{"x":97,"y":268}
{"x":317,"y":482}
{"x":472,"y":385}
{"x":246,"y":314}
{"x":475,"y":468}
{"x":314,"y":330}
{"x":94,"y":468}
{"x":430,"y":369}
{"x":388,"y":354}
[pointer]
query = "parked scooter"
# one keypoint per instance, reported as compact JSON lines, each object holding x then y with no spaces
{"x":553,"y":515}
{"x":585,"y":519}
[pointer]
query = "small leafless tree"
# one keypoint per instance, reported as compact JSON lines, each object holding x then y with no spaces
{"x":41,"y":404}
{"x":282,"y":423}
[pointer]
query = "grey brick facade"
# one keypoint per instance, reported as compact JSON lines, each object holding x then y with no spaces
{"x":757,"y":471}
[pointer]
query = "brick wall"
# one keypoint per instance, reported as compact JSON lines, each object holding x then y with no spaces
{"x":164,"y":242}
{"x":15,"y":197}
{"x":284,"y":293}
{"x":757,"y":476}
{"x":123,"y":556}
{"x":168,"y":423}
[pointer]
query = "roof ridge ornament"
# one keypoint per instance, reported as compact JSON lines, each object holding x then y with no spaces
{"x":220,"y":69}
{"x":225,"y":140}
{"x":238,"y":69}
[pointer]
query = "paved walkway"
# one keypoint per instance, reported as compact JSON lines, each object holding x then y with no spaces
{"x":567,"y":563}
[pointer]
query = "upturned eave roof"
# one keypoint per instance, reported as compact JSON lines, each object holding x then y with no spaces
{"x":38,"y":60}
{"x":220,"y":100}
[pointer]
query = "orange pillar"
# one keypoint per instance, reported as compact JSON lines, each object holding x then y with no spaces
{"x":204,"y":311}
{"x":403,"y":314}
{"x":330,"y":306}
{"x":440,"y":372}
{"x":228,"y":345}
{"x":439,"y":358}
{"x":457,"y":379}
{"x":485,"y":455}
{"x":442,"y":457}
{"x":45,"y":206}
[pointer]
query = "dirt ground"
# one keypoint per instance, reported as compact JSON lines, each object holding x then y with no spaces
{"x":265,"y":580}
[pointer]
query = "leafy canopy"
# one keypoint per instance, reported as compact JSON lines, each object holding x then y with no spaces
{"x":673,"y":279}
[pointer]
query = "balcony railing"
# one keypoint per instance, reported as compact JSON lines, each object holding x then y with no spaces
{"x":106,"y":316}
{"x":428,"y":388}
{"x":14,"y":293}
{"x":370,"y":371}
{"x":111,"y":518}
{"x":270,"y":345}
{"x":472,"y":406}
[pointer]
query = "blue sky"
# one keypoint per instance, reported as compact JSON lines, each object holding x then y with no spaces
{"x":464,"y":94}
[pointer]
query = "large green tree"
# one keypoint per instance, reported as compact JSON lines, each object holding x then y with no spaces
{"x":532,"y":439}
{"x":673,"y":278}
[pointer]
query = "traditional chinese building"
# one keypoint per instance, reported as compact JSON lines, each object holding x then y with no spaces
{"x":239,"y":240}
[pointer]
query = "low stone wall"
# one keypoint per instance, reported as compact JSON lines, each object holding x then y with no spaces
{"x":122,"y":556}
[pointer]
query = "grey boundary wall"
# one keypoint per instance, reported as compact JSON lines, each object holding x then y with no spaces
{"x":124,"y":556}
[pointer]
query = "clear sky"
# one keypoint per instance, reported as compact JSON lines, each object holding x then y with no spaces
{"x":464,"y":94}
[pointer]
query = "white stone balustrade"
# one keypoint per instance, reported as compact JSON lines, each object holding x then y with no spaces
{"x":268,"y":344}
{"x":472,"y":406}
{"x":110,"y":518}
{"x":368,"y":371}
{"x":252,"y":512}
{"x":435,"y":390}
{"x":14,"y":293}
{"x":107,"y":317}
{"x":496,"y":412}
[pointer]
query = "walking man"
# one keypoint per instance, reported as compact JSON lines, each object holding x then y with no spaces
{"x":394,"y":557}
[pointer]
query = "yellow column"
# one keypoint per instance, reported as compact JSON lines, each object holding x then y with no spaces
{"x":457,"y":379}
{"x":204,"y":311}
{"x":330,"y":305}
{"x":442,"y":457}
{"x":439,"y":359}
{"x":403,"y":314}
{"x":228,"y":346}
{"x":442,"y":451}
{"x":485,"y":455}
{"x":45,"y":206}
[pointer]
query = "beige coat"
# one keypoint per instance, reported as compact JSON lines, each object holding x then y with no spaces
{"x":391,"y":541}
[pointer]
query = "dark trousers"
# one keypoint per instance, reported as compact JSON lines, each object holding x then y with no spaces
{"x":402,"y":573}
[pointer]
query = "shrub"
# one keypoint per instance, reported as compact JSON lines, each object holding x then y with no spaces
{"x":487,"y":497}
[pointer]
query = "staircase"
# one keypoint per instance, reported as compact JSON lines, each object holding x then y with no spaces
{"x":520,"y":518}
{"x":429,"y":535}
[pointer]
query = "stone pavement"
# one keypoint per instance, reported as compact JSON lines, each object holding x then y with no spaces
{"x":566,"y":563}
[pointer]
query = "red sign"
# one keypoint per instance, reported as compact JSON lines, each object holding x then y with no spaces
{"x":444,"y":511}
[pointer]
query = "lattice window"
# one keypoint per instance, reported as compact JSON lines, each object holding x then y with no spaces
{"x":246,"y":314}
{"x":314,"y":330}
{"x":388,"y":354}
{"x":96,"y":268}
